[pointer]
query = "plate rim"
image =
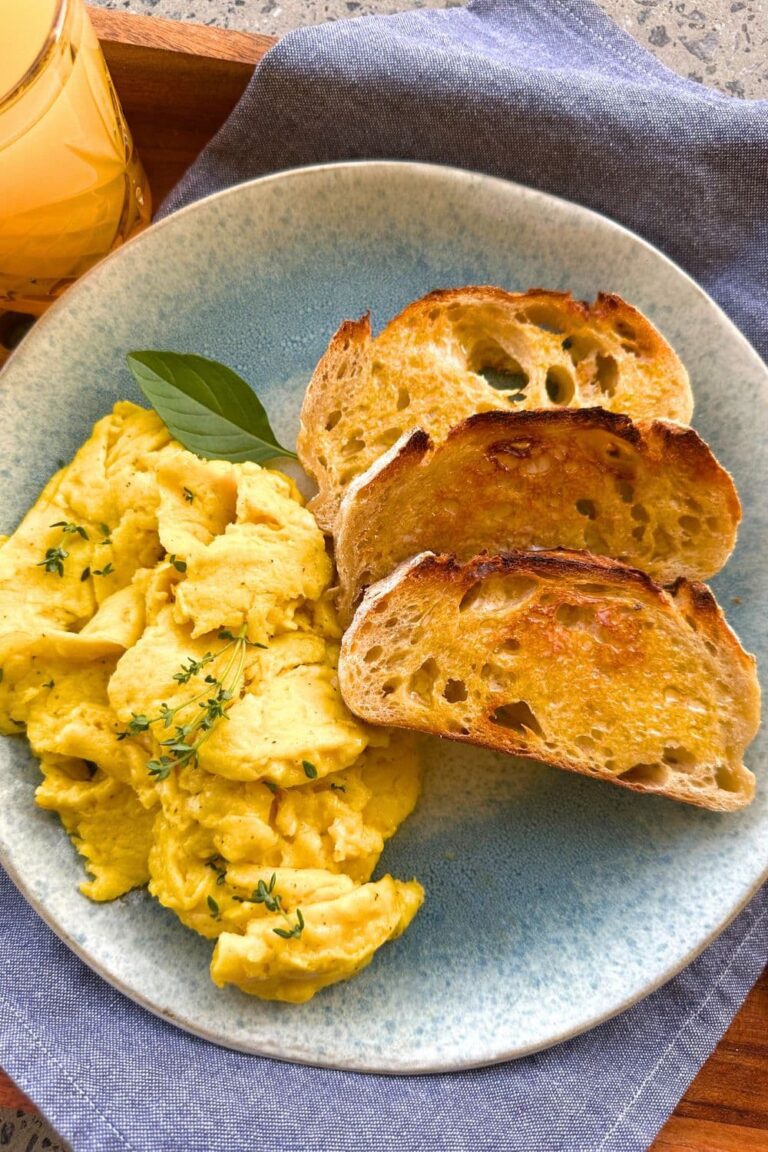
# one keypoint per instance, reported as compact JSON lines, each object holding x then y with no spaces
{"x":267,"y":1049}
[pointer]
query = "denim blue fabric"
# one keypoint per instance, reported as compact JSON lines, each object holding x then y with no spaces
{"x":550,"y":93}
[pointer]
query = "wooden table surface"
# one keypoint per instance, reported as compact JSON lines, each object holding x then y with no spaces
{"x":178,"y":83}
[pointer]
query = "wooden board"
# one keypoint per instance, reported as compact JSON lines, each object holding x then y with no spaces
{"x":178,"y":83}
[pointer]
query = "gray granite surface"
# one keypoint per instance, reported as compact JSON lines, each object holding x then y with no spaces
{"x":722,"y":43}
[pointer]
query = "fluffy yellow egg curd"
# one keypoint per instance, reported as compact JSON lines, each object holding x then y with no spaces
{"x":169,"y":647}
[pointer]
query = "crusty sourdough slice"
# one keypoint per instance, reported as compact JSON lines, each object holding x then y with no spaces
{"x":425,"y":370}
{"x":650,"y":494}
{"x":562,"y":657}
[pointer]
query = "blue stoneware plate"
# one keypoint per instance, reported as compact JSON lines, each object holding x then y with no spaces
{"x":553,"y":901}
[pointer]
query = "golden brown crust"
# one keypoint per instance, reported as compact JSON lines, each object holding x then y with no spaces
{"x":648,"y":493}
{"x":352,"y":341}
{"x":558,"y":562}
{"x":526,"y":653}
{"x":426,"y":367}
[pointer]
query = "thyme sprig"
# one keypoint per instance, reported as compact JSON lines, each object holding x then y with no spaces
{"x":54,"y":558}
{"x":69,"y":529}
{"x":292,"y":933}
{"x":53,"y":561}
{"x":265,"y":894}
{"x":219,"y":866}
{"x":273,"y":902}
{"x":182,"y":747}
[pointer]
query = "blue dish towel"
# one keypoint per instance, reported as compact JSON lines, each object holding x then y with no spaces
{"x":551,"y":93}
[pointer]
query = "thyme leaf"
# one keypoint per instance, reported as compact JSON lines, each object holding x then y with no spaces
{"x":292,"y":933}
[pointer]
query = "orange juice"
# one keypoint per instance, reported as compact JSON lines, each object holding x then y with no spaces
{"x":71,"y":185}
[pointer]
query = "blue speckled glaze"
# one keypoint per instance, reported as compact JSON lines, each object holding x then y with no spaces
{"x":552,"y":901}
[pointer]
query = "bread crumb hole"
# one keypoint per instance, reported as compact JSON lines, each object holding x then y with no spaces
{"x":403,"y":399}
{"x":570,"y":615}
{"x":581,"y":346}
{"x":639,"y":532}
{"x":650,"y":774}
{"x":353,"y":444}
{"x":493,"y":675}
{"x":728,"y":779}
{"x":606,"y":374}
{"x":497,"y":594}
{"x":587,"y":508}
{"x":596,"y":590}
{"x":387,"y":438}
{"x":518,"y":717}
{"x":559,"y":385}
{"x":714,"y":524}
{"x":625,"y":490}
{"x":373,"y":654}
{"x":663,"y":545}
{"x":457,"y":729}
{"x":509,"y":647}
{"x":501,"y":371}
{"x":679,"y":756}
{"x":333,"y":419}
{"x":586,"y":743}
{"x":546,"y":318}
{"x":690,"y":524}
{"x":470,"y":596}
{"x":389,"y":686}
{"x":455,"y":691}
{"x":422,"y":681}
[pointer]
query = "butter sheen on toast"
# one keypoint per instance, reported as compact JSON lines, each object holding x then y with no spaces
{"x":573,"y":660}
{"x":650,"y":494}
{"x":425,"y":370}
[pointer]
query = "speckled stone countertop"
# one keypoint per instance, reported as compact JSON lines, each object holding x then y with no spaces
{"x":722,"y":43}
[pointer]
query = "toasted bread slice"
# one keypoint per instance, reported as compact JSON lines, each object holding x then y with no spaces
{"x":562,"y":657}
{"x":650,"y":494}
{"x":545,"y":349}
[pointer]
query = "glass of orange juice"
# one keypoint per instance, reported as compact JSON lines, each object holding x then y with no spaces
{"x":71,"y":185}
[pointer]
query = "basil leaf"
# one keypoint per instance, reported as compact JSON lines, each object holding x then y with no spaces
{"x":206,"y":406}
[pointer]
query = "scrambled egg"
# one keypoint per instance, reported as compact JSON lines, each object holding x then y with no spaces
{"x":169,"y":646}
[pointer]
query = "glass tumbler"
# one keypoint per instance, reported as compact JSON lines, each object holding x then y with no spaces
{"x":71,"y":185}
